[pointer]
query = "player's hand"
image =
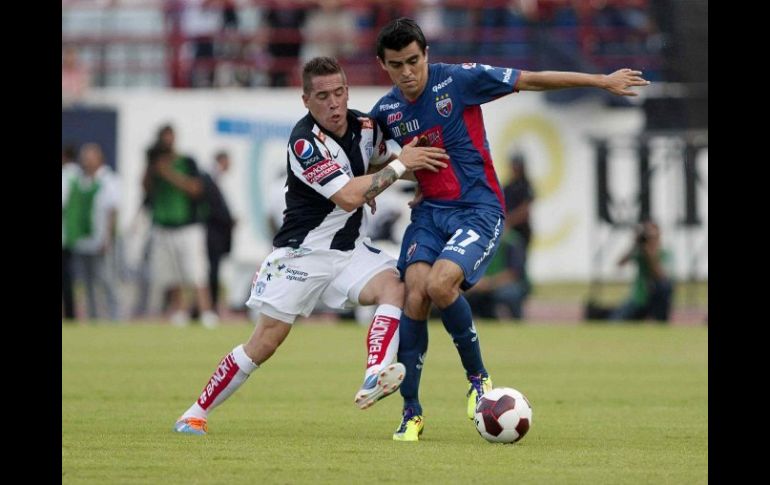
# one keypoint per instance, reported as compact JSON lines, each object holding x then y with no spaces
{"x":619,"y":81}
{"x":423,"y":157}
{"x":163,"y":168}
{"x":373,"y":204}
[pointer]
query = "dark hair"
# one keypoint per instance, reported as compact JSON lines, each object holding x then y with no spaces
{"x":398,"y":34}
{"x":163,"y":129}
{"x":319,"y":66}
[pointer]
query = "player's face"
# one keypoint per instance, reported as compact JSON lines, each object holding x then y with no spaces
{"x":407,"y":68}
{"x":328,"y":102}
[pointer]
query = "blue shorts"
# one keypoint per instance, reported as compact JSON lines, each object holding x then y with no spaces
{"x":467,"y":237}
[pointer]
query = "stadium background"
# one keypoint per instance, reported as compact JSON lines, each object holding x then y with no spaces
{"x":594,"y":180}
{"x":612,"y":404}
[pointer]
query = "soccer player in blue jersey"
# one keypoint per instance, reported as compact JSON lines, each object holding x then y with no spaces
{"x":456,"y":227}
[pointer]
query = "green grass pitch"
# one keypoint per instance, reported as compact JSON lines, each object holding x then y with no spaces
{"x":611,"y":404}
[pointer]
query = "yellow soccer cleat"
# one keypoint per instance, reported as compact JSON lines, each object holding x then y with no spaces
{"x":410,"y":428}
{"x":479,"y":385}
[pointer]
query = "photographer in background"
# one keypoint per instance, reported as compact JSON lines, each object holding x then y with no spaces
{"x":652,"y":289}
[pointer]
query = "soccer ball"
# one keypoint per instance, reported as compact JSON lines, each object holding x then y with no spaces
{"x":503,"y":415}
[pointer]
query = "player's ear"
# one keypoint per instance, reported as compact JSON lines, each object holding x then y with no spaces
{"x":382,"y":64}
{"x":305,"y":99}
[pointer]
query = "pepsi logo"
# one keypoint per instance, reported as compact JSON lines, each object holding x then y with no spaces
{"x":303,"y":149}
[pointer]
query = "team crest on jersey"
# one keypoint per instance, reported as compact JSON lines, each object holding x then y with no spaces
{"x":303,"y":149}
{"x":444,"y":105}
{"x":298,"y":252}
{"x":410,"y":251}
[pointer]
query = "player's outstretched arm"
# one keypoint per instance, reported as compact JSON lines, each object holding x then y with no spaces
{"x":361,"y":190}
{"x":617,"y":83}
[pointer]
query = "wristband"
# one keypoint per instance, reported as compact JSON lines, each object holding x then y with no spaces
{"x":397,"y":167}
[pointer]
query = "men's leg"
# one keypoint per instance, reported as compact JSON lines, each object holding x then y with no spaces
{"x":232,"y":372}
{"x":444,"y":290}
{"x":511,"y":296}
{"x":458,"y":321}
{"x":88,"y":263}
{"x":214,"y":279}
{"x":382,"y":376}
{"x":660,"y":300}
{"x":628,"y":310}
{"x":413,"y":332}
{"x":66,"y":284}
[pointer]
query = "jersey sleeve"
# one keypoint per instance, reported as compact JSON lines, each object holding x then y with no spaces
{"x":311,"y":162}
{"x":481,"y":83}
{"x":382,"y":149}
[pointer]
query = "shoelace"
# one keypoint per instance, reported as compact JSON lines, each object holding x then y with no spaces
{"x":408,"y":415}
{"x":477,"y":384}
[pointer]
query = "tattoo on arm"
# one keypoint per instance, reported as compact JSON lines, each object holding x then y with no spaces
{"x":380,"y":181}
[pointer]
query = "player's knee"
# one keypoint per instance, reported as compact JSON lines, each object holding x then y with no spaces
{"x":391,"y":293}
{"x":416,"y":304}
{"x":442,"y":290}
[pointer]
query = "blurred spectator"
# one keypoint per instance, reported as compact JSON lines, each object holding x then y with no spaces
{"x":652,"y":289}
{"x":284,"y":20}
{"x":457,"y":42}
{"x":501,"y":292}
{"x":519,"y":196}
{"x":75,"y":78}
{"x":503,"y":32}
{"x":201,"y":22}
{"x":329,"y":30}
{"x":138,"y":228}
{"x":90,"y":216}
{"x":178,"y":257}
{"x":239,"y":63}
{"x":69,"y":172}
{"x":219,"y":223}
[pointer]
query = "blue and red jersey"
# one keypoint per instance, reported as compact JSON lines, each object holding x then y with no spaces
{"x":448,"y":114}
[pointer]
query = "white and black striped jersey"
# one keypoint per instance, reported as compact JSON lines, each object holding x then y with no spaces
{"x":318,"y":165}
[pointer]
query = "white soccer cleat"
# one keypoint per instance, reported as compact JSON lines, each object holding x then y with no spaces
{"x":380,"y":385}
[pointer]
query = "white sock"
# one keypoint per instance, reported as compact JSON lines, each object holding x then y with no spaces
{"x":232,"y":371}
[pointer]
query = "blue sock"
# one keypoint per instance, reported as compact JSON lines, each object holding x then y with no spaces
{"x":458,"y":321}
{"x":413,"y":345}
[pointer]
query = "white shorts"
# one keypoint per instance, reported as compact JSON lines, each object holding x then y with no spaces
{"x":290,"y":282}
{"x":178,"y":256}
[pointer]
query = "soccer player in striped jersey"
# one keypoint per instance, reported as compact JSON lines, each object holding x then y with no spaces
{"x":321,"y":252}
